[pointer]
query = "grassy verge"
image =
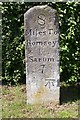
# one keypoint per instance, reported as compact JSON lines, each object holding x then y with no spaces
{"x":14,"y":106}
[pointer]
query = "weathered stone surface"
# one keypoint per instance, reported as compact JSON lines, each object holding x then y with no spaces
{"x":41,"y":30}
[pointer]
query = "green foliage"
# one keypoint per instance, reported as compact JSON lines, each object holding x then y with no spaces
{"x":13,"y":46}
{"x":69,"y":41}
{"x":13,"y":57}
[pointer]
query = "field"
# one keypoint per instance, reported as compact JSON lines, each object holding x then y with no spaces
{"x":14,"y":104}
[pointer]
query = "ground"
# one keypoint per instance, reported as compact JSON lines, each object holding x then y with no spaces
{"x":14,"y":104}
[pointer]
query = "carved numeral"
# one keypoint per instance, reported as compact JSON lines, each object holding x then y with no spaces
{"x":42,"y":68}
{"x":41,"y":20}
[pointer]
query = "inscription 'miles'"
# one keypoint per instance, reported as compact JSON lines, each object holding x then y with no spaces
{"x":41,"y":29}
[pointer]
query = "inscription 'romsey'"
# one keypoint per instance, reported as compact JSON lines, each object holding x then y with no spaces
{"x":42,"y":43}
{"x":41,"y":29}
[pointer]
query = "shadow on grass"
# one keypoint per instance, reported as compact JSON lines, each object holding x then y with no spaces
{"x":69,"y":94}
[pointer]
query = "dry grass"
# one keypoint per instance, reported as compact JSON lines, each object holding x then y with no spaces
{"x":14,"y":106}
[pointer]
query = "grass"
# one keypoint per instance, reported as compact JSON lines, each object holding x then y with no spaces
{"x":14,"y":106}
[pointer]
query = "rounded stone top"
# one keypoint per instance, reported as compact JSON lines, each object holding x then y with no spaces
{"x":40,"y":7}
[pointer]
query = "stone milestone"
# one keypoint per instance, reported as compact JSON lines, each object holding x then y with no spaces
{"x":41,"y":29}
